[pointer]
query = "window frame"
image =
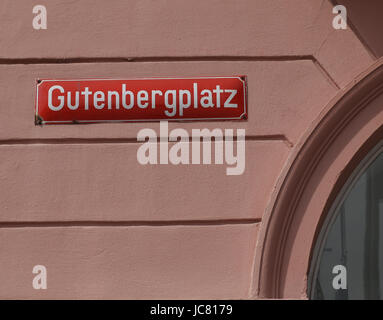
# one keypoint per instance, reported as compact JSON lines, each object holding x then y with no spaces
{"x":333,"y":214}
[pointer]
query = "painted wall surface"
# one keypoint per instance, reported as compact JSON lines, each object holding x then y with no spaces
{"x":75,"y":199}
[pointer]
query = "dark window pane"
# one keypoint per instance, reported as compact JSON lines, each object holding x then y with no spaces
{"x":351,"y":259}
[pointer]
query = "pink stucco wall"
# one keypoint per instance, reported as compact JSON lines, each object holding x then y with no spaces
{"x":75,"y":199}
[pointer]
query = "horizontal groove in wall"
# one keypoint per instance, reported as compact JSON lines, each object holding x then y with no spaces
{"x":59,"y":224}
{"x":119,"y":140}
{"x":152,"y":59}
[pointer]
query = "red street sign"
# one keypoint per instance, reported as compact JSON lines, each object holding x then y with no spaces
{"x":103,"y":100}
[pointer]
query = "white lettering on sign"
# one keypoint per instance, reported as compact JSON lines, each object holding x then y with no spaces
{"x":175,"y":100}
{"x":79,"y":101}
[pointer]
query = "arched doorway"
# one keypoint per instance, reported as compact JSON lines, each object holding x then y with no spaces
{"x":328,"y":154}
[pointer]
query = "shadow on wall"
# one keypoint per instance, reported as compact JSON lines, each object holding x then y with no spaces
{"x":366,"y":18}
